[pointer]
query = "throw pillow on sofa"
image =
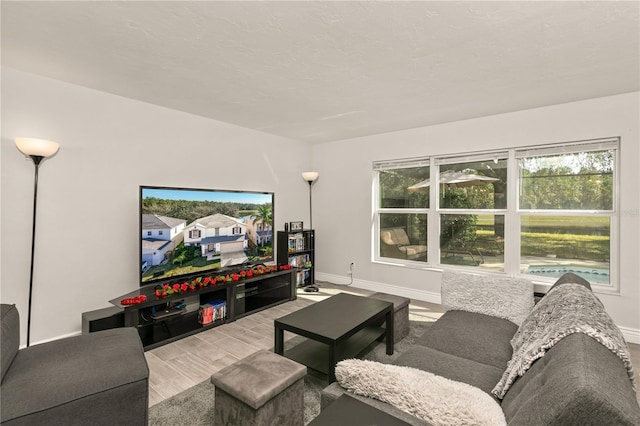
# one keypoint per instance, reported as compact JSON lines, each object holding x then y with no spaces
{"x":502,"y":297}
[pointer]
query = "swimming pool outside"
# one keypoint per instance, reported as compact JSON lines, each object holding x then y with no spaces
{"x":556,"y":271}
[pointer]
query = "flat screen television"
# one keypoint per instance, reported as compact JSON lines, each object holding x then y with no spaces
{"x":186,"y":232}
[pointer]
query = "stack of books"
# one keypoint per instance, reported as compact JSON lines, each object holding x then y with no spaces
{"x":296,"y":243}
{"x":215,"y":310}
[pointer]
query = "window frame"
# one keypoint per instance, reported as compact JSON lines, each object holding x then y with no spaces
{"x":378,"y":211}
{"x":512,"y":213}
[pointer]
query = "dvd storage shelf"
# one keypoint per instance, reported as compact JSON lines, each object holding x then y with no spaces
{"x":161,"y":320}
{"x":297,"y":248}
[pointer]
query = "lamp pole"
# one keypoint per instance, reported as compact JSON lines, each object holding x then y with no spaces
{"x":37,"y":159}
{"x":310,"y":207}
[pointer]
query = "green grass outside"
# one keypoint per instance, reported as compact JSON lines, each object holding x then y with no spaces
{"x":554,"y":221}
{"x":196,"y":265}
{"x":563,"y":246}
{"x":566,"y":246}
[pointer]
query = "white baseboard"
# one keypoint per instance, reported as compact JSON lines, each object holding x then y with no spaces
{"x":51,"y":339}
{"x":631,"y":335}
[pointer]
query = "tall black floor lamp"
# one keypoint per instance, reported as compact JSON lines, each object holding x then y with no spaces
{"x":37,"y":150}
{"x":310,"y":177}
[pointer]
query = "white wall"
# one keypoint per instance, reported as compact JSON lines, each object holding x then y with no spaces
{"x":343,"y":193}
{"x":109,"y":146}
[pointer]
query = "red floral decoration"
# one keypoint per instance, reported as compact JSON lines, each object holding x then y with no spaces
{"x":133,"y":300}
{"x":199,"y":282}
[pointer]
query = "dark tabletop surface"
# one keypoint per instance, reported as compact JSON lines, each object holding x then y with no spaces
{"x":336,"y":315}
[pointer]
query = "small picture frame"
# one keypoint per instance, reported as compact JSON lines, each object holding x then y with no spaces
{"x":295,"y":226}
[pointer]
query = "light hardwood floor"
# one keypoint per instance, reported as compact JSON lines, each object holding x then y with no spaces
{"x":180,"y":365}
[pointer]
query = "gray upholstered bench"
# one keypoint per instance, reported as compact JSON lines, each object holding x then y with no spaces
{"x":262,"y":389}
{"x":401,"y":314}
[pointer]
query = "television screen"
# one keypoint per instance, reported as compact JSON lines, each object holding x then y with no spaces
{"x":186,"y":232}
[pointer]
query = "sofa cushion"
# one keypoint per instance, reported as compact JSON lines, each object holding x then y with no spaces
{"x":578,"y":382}
{"x":413,"y":250}
{"x":395,"y":236}
{"x":109,"y":381}
{"x":10,"y":336}
{"x":477,"y":337}
{"x":452,"y":367}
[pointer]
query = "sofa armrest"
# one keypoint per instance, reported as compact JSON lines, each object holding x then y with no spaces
{"x":334,"y":391}
{"x":10,"y":335}
{"x":99,"y":378}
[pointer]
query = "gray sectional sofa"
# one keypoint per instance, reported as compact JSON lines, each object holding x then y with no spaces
{"x":94,"y":379}
{"x":578,"y":381}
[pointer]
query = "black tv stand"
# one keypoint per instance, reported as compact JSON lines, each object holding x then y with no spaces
{"x":242,"y":298}
{"x":167,"y":313}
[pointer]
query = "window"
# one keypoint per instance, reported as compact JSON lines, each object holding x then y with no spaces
{"x":472,"y":203}
{"x":535,"y":211}
{"x":403,"y":210}
{"x":566,"y":209}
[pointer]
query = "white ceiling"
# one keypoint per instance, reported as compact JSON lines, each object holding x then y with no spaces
{"x":331,"y":70}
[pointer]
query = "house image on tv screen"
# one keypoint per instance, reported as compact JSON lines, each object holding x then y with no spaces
{"x":160,"y":236}
{"x":258,"y":231}
{"x":220,"y":236}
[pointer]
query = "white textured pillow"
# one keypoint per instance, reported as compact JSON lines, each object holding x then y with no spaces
{"x":502,"y":297}
{"x":432,"y":398}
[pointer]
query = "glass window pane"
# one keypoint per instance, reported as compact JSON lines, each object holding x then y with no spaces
{"x":404,"y":188}
{"x":576,"y":181}
{"x":472,"y":240}
{"x":403,"y":236}
{"x":476,"y":185}
{"x":553,"y":245}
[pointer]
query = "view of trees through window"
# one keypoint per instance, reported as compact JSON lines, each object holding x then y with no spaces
{"x":404,"y":223}
{"x":564,"y":208}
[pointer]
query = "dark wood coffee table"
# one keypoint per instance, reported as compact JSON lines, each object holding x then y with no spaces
{"x":337,"y":328}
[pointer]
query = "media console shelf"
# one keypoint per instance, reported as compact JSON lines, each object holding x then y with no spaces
{"x":242,"y":298}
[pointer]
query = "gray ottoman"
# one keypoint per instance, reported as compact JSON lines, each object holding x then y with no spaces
{"x":400,"y":316}
{"x":261,"y":389}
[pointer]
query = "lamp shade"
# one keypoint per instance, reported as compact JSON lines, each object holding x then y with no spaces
{"x":37,"y":147}
{"x":310,"y":176}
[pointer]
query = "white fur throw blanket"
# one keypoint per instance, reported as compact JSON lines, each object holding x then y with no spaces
{"x":564,"y":310}
{"x":502,"y":297}
{"x":432,"y":398}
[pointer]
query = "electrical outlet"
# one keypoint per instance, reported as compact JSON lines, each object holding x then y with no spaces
{"x":352,"y":266}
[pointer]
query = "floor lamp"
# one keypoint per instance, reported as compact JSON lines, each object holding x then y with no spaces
{"x":37,"y":150}
{"x":310,"y":177}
